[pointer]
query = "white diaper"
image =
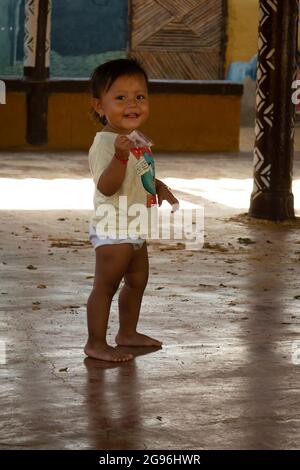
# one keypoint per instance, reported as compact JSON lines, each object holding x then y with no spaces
{"x":96,"y":241}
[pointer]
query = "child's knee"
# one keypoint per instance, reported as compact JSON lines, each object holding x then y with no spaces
{"x":107,"y":287}
{"x":137,"y":281}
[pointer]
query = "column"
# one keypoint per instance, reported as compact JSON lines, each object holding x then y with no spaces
{"x":272,"y":196}
{"x":36,"y":67}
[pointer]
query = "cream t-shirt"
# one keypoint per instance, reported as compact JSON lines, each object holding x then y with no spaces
{"x":132,"y":211}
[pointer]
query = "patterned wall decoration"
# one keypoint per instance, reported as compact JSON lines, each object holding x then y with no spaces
{"x":31,"y":27}
{"x":48,"y":35}
{"x":272,"y":196}
{"x":31,"y":21}
{"x":264,"y":105}
{"x":179,"y":39}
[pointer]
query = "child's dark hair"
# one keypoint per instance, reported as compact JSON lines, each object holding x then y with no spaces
{"x":106,"y":74}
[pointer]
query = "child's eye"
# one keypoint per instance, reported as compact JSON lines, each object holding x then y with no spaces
{"x":121,"y":97}
{"x":141,"y":97}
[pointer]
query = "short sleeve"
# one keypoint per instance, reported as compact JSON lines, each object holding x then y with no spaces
{"x":100,"y":155}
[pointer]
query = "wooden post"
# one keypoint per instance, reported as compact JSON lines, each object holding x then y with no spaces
{"x":36,"y":68}
{"x":272,"y":196}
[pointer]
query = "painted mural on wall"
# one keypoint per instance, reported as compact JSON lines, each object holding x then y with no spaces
{"x":11,"y":37}
{"x":84,"y":33}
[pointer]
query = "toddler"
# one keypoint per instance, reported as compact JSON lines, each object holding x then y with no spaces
{"x":123,"y":170}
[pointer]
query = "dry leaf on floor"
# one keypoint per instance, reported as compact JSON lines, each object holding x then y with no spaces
{"x":36,"y":305}
{"x":245,"y":241}
{"x":68,"y":242}
{"x":30,"y":266}
{"x":214,"y":246}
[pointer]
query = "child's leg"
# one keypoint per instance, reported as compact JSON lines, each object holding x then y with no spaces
{"x":111,"y":263}
{"x":130,"y":300}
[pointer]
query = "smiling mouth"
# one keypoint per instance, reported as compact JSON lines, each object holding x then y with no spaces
{"x":131,"y":115}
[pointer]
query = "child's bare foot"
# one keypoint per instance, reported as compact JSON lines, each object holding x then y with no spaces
{"x":106,"y":353}
{"x":136,"y":339}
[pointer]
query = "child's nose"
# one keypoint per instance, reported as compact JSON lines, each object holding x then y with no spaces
{"x":132,"y":101}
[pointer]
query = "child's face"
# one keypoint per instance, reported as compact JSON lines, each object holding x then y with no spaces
{"x":125,"y":105}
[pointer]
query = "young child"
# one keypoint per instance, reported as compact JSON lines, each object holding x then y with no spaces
{"x":120,"y":102}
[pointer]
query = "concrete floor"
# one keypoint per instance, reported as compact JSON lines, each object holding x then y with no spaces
{"x":228,"y":374}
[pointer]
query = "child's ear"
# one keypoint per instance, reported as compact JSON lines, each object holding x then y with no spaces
{"x":97,"y":105}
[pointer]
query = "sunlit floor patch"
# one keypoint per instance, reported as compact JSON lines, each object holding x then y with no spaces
{"x":229,"y":192}
{"x":60,"y":193}
{"x":42,"y":194}
{"x":65,"y":193}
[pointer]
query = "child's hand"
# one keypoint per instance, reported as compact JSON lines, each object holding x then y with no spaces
{"x":122,"y":146}
{"x":164,"y":194}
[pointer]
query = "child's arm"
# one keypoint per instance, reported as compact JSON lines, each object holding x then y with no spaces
{"x":164,"y":193}
{"x":113,"y":176}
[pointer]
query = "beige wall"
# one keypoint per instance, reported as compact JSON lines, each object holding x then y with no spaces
{"x":209,"y":122}
{"x":242,"y":30}
{"x":13,"y":121}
